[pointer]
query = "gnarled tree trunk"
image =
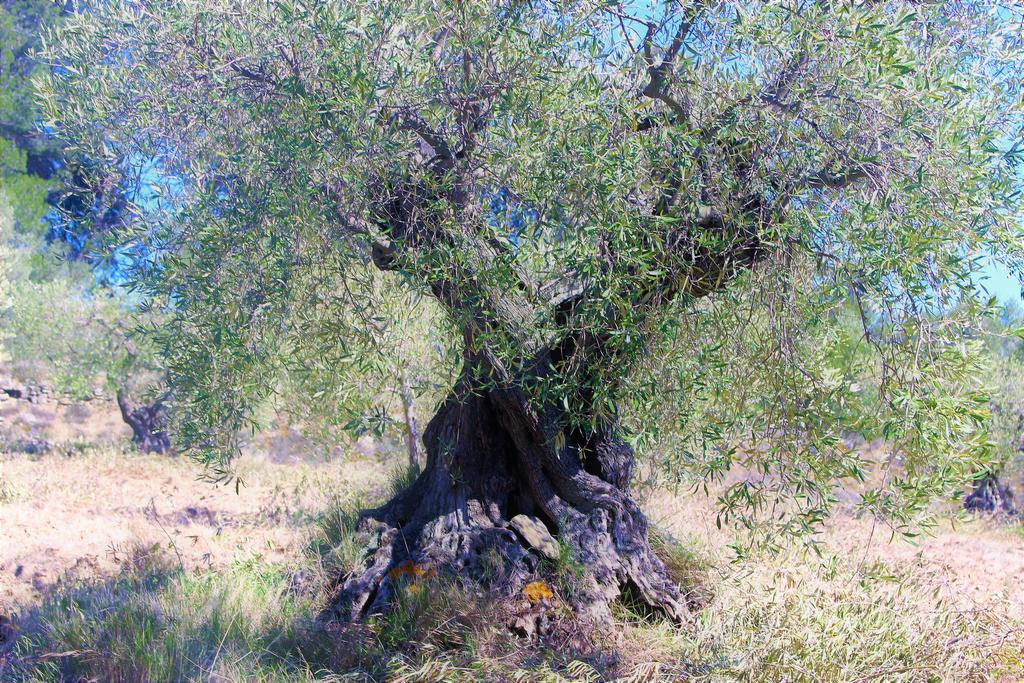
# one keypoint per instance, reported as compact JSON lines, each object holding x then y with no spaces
{"x":991,"y":495}
{"x":492,"y":454}
{"x":491,"y":457}
{"x":148,"y":423}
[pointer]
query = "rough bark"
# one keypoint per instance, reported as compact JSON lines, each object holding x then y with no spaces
{"x":490,"y":457}
{"x":148,"y":423}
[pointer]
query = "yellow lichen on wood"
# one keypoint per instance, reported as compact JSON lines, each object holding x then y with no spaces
{"x":410,"y":569}
{"x":538,"y":590}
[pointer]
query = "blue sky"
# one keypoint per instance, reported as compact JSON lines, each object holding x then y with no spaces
{"x":999,"y":282}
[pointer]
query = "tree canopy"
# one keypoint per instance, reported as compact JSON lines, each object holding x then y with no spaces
{"x":625,"y":211}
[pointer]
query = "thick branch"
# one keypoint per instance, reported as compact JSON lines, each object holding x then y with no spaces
{"x":482,"y":289}
{"x":700,"y":259}
{"x":414,"y":122}
{"x":660,"y":73}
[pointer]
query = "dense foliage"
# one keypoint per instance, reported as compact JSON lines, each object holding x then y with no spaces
{"x":61,"y":327}
{"x":59,"y":202}
{"x":655,"y":217}
{"x":28,"y":159}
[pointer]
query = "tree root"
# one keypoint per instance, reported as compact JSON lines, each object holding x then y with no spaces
{"x":489,"y":459}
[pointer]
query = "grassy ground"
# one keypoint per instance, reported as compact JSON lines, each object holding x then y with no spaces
{"x":133,"y":571}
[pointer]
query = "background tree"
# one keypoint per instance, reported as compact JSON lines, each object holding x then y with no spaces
{"x":66,"y":332}
{"x":6,"y":228}
{"x":62,"y":328}
{"x":39,"y":180}
{"x":363,"y":370}
{"x":993,"y":491}
{"x":582,"y":187}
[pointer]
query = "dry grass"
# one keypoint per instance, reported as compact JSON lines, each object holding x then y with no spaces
{"x":56,"y":421}
{"x":240,"y":603}
{"x":64,"y":518}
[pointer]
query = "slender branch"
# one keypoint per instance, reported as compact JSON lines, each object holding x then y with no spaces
{"x":835,"y":181}
{"x":253,"y":75}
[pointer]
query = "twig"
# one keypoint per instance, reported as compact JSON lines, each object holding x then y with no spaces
{"x":170,"y":540}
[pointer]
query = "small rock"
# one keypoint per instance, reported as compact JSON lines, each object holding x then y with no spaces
{"x":536,"y":535}
{"x":301,"y":583}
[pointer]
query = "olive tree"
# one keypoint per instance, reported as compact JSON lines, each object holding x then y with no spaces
{"x":59,"y":331}
{"x":993,"y":490}
{"x":592,"y":193}
{"x":59,"y":327}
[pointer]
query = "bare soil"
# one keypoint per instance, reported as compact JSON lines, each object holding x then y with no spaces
{"x":67,"y":517}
